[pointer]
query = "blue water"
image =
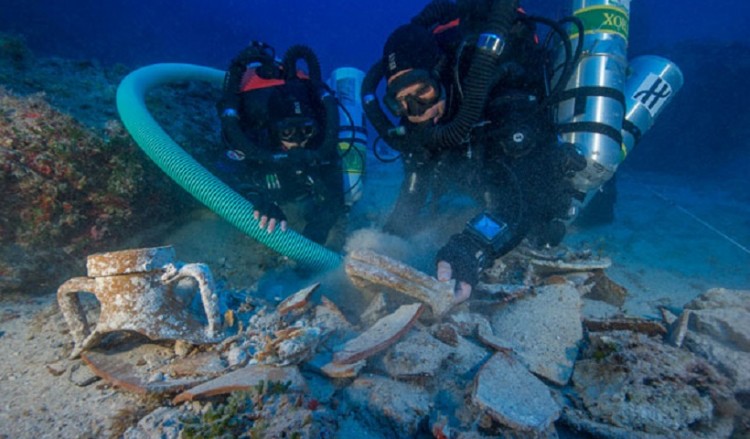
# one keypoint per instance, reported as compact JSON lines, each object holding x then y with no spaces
{"x":343,"y":32}
{"x":701,"y":134}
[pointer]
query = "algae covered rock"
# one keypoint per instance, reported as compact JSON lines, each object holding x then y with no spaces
{"x":633,"y":382}
{"x":66,"y":190}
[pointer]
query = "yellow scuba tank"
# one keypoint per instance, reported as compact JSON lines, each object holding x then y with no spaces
{"x":352,"y":146}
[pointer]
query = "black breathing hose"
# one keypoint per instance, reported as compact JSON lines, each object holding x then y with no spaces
{"x":571,"y":57}
{"x":300,"y":52}
{"x":481,"y":76}
{"x":328,"y":147}
{"x":436,"y":12}
{"x":230,"y":121}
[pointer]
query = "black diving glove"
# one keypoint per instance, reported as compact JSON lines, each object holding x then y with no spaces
{"x":263,"y":206}
{"x":465,"y":256}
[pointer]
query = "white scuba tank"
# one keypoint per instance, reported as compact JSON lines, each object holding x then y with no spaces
{"x":651,"y":85}
{"x":352,"y":146}
{"x":592,"y":108}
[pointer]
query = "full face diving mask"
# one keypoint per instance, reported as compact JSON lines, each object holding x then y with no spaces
{"x":417,"y":103}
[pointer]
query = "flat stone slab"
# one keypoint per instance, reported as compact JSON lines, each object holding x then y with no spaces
{"x":244,"y":379}
{"x":513,"y":396}
{"x":330,"y":319}
{"x":400,"y":406}
{"x":418,"y":354}
{"x":716,"y":326}
{"x":543,"y":330}
{"x":379,"y":336}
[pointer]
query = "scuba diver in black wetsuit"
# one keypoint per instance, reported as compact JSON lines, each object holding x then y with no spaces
{"x":467,"y":81}
{"x":281,"y":129}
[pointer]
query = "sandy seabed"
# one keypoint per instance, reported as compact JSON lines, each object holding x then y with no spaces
{"x":671,"y":241}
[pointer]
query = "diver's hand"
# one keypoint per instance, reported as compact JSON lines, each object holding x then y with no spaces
{"x":461,"y":259}
{"x":269,"y":224}
{"x":267,"y":213}
{"x":445,"y":273}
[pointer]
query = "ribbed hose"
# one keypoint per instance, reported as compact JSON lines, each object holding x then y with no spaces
{"x":296,"y":53}
{"x":436,"y":12}
{"x":193,"y":177}
{"x":479,"y":80}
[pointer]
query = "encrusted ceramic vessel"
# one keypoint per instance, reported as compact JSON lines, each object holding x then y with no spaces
{"x":136,"y":291}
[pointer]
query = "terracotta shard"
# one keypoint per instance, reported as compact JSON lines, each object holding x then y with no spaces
{"x":334,"y":370}
{"x":366,"y":266}
{"x":297,"y":300}
{"x":606,"y":290}
{"x":648,"y":327}
{"x":244,"y":379}
{"x":547,"y":267}
{"x":204,"y":364}
{"x":120,"y":370}
{"x":379,"y":336}
{"x":679,"y":328}
{"x":488,"y":338}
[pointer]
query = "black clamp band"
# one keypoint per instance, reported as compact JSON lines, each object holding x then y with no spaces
{"x":492,"y":43}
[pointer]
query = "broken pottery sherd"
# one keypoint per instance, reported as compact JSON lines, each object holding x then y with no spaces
{"x":381,"y":335}
{"x":333,"y":370}
{"x":555,"y":266}
{"x":247,"y":378}
{"x":644,"y":326}
{"x":140,"y":301}
{"x":322,"y":364}
{"x":297,"y":301}
{"x":121,"y":369}
{"x":366,"y":266}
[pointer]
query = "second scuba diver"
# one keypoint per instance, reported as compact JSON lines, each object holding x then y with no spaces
{"x":280,"y":126}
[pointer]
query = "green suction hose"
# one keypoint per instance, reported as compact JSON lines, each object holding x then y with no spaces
{"x":193,"y":177}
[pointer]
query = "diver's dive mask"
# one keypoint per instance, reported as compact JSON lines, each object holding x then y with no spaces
{"x":427,"y":92}
{"x":296,"y":130}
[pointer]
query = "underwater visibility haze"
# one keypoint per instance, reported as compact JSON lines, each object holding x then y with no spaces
{"x":635,"y":325}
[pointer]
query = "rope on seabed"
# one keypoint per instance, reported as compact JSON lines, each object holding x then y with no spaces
{"x":699,"y":220}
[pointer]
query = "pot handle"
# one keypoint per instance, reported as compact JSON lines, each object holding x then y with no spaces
{"x":202,"y":274}
{"x":70,"y":305}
